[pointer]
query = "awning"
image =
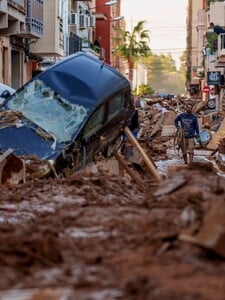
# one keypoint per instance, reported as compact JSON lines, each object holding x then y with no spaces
{"x":195,"y":80}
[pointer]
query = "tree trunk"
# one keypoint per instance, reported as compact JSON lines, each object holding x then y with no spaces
{"x":131,"y":74}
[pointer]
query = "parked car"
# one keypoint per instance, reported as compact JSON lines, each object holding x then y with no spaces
{"x":168,"y":96}
{"x":5,"y":91}
{"x":68,"y":113}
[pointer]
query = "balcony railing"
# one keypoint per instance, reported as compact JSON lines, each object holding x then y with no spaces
{"x":34,"y":19}
{"x":215,"y":51}
{"x":23,"y":18}
{"x":75,"y":43}
{"x":18,"y":4}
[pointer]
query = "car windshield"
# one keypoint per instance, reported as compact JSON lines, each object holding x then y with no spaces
{"x":46,"y":108}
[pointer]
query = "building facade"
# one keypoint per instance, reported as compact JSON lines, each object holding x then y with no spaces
{"x":21,"y":24}
{"x":34,"y":34}
{"x":206,"y":52}
{"x":107,"y":18}
{"x":195,"y":32}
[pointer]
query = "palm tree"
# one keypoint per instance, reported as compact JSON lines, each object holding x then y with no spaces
{"x":132,"y":45}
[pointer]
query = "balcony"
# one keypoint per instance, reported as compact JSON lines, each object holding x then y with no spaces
{"x":51,"y":43}
{"x":75,"y":43}
{"x":34,"y":19}
{"x":12,"y":17}
{"x":78,"y":44}
{"x":21,"y":18}
{"x":18,"y":4}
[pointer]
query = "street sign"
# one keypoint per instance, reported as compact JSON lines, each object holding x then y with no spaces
{"x":214,"y":78}
{"x":206,"y":89}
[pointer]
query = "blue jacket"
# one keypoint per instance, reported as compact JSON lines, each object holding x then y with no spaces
{"x":218,"y":29}
{"x":189,"y":124}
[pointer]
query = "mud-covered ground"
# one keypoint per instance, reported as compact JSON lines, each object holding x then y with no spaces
{"x":98,"y":236}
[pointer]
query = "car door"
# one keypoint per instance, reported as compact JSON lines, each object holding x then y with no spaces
{"x":91,"y":134}
{"x":118,"y":115}
{"x":106,"y":124}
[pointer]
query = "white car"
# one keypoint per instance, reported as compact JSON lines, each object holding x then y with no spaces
{"x":5,"y":91}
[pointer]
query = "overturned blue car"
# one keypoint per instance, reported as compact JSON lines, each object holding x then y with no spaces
{"x":68,"y":113}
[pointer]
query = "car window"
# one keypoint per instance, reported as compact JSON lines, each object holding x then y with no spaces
{"x":95,"y":122}
{"x":115,"y":105}
{"x":46,"y":108}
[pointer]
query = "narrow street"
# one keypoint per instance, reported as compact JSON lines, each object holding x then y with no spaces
{"x":97,"y":100}
{"x":96,"y":235}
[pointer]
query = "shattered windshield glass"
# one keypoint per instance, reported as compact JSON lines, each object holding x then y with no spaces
{"x":46,"y":108}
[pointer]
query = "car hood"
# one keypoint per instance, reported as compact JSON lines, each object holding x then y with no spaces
{"x":25,"y":138}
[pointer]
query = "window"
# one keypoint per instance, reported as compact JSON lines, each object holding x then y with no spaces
{"x":116,"y":105}
{"x":53,"y":113}
{"x":96,"y":121}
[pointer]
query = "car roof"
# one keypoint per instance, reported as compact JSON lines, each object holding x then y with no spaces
{"x":84,"y":79}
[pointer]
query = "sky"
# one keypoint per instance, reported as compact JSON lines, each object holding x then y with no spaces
{"x":166,"y":21}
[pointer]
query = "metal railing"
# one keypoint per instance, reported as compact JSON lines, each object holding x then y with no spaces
{"x":18,"y":4}
{"x":34,"y":18}
{"x":75,"y":43}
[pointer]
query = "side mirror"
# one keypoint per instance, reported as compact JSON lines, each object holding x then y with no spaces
{"x":5,"y":94}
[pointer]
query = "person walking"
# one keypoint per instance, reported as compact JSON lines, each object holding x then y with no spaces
{"x":187,"y":124}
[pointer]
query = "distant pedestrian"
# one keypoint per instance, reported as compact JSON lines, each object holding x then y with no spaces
{"x":187,"y":126}
{"x":97,"y":43}
{"x":212,"y":40}
{"x":216,"y":28}
{"x":219,"y":31}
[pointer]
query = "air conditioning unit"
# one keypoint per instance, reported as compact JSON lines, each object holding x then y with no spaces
{"x":73,"y":19}
{"x":83,"y":21}
{"x":92,"y":21}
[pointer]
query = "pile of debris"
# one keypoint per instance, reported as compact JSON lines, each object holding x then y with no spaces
{"x":94,"y":234}
{"x":156,"y":119}
{"x":153,"y":140}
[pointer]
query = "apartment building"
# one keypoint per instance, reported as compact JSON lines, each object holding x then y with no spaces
{"x":215,"y":63}
{"x":72,"y":26}
{"x":195,"y":33}
{"x":21,"y":24}
{"x":51,"y":44}
{"x":206,"y":61}
{"x":34,"y":34}
{"x":107,"y":18}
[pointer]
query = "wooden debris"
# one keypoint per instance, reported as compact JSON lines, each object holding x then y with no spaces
{"x":212,"y":234}
{"x":170,"y":185}
{"x":128,"y":170}
{"x":146,"y":159}
{"x":12,"y":168}
{"x":217,"y":137}
{"x":37,"y":294}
